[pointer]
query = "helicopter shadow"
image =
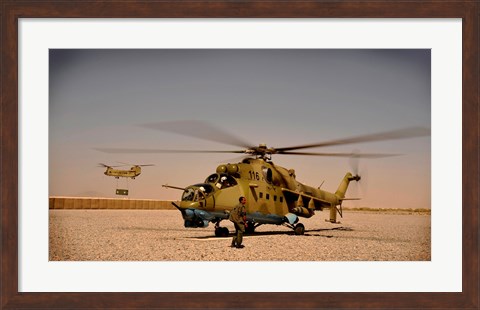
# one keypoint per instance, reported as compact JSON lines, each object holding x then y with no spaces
{"x":308,"y":233}
{"x":313,"y":232}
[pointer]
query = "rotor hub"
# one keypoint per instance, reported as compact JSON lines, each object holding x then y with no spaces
{"x":262,"y":151}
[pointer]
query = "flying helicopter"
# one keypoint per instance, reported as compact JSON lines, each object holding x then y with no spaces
{"x":133,"y":172}
{"x":274,"y":196}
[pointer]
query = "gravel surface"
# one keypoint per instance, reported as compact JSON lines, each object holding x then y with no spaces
{"x":159,"y":235}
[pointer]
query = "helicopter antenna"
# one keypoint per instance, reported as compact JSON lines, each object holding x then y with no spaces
{"x":321,"y":184}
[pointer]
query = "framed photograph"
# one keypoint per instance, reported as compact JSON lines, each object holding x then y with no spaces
{"x":42,"y":40}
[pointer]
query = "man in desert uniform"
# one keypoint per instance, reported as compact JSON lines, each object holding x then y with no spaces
{"x":239,"y":218}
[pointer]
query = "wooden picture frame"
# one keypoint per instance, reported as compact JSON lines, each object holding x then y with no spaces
{"x":12,"y":10}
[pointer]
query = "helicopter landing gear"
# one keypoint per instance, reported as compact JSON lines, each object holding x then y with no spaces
{"x":250,"y":229}
{"x":221,"y":232}
{"x":299,"y":229}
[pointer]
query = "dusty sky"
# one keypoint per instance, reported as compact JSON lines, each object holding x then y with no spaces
{"x":280,"y":97}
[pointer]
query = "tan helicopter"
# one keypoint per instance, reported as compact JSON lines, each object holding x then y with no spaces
{"x":133,"y":172}
{"x":274,"y":196}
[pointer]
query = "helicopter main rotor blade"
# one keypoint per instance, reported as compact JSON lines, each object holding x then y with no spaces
{"x":140,"y":165}
{"x":199,"y":129}
{"x":351,"y":155}
{"x":388,"y":135}
{"x":154,"y":151}
{"x":107,"y":166}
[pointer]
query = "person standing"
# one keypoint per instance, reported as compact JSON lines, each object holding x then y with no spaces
{"x":239,"y":218}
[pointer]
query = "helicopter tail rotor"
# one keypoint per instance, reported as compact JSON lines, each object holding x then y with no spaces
{"x":360,"y":188}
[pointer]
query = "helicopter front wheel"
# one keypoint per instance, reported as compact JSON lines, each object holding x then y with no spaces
{"x":221,"y":232}
{"x":299,"y":229}
{"x":250,"y":229}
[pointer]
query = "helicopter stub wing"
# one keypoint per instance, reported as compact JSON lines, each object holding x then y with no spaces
{"x":294,"y":195}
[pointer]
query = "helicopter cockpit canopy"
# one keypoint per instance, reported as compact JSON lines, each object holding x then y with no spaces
{"x":221,"y":180}
{"x":197,"y":192}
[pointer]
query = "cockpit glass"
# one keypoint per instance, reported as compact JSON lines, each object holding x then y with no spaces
{"x":197,"y":192}
{"x":225,"y":181}
{"x":212,"y":178}
{"x":207,"y":189}
{"x":188,"y":194}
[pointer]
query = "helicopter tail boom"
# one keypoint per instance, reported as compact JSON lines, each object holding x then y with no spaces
{"x":342,"y":188}
{"x":340,"y":193}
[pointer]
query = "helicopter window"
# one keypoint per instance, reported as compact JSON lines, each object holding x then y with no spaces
{"x":197,"y":193}
{"x":261,"y":195}
{"x":204,"y":188}
{"x":188,"y":194}
{"x":267,"y":173}
{"x":275,"y":198}
{"x":281,"y":199}
{"x":225,"y":181}
{"x":268,"y":196}
{"x":212,"y":178}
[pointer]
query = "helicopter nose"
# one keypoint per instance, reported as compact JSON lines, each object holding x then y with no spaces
{"x":189,"y":204}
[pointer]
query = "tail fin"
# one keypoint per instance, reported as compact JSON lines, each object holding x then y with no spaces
{"x":342,"y":188}
{"x":340,"y":193}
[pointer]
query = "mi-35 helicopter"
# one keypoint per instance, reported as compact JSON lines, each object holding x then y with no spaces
{"x":274,"y":196}
{"x":133,"y":172}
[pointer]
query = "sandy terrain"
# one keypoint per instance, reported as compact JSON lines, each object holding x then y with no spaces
{"x":159,"y":235}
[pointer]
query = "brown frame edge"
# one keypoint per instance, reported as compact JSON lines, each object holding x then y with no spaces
{"x":11,"y":11}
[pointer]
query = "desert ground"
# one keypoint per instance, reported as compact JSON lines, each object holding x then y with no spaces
{"x":159,"y":235}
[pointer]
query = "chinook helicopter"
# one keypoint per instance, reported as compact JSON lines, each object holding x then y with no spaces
{"x":133,"y":172}
{"x":274,"y":196}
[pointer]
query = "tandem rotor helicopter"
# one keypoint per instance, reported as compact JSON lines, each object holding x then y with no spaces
{"x":274,"y":196}
{"x":133,"y":172}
